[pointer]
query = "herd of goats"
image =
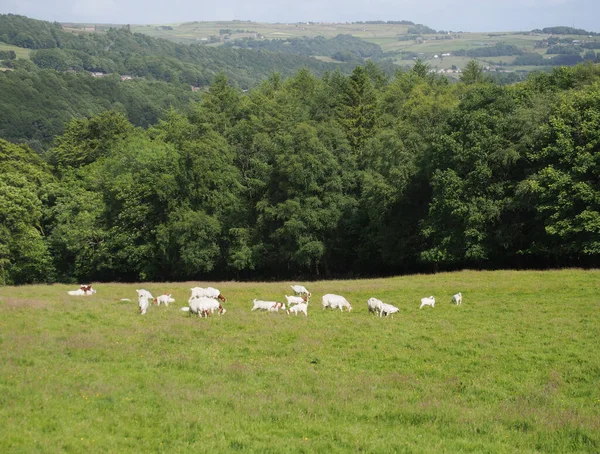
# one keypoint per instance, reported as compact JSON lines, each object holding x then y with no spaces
{"x":206,"y":301}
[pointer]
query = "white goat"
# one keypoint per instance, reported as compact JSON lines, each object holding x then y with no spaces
{"x":300,"y":290}
{"x":427,"y":302}
{"x":276,"y":307}
{"x":143,"y":303}
{"x":164,"y":299}
{"x":204,"y":306}
{"x":336,"y":301}
{"x":300,"y":307}
{"x":270,"y":306}
{"x":296,"y":299}
{"x":457,"y":299}
{"x":374,"y":305}
{"x":145,"y":293}
{"x":208,"y":292}
{"x":82,"y":290}
{"x":388,"y":309}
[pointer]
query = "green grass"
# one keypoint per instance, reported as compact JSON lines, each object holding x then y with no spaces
{"x":20,"y":51}
{"x":516,"y":368}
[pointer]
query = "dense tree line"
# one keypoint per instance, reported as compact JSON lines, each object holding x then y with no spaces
{"x":339,"y":175}
{"x":420,"y":29}
{"x":36,"y":104}
{"x":497,"y":50}
{"x":7,"y":55}
{"x":32,"y":34}
{"x":562,"y":30}
{"x":561,"y":49}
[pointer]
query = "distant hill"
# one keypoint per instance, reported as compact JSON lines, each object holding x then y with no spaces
{"x":397,"y":42}
{"x":561,"y":30}
{"x":342,"y":47}
{"x":52,"y":62}
{"x":126,"y":53}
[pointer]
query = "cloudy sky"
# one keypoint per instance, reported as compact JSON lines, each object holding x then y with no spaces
{"x":457,"y":15}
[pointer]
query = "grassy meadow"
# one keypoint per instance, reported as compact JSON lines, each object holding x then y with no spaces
{"x":20,"y":51}
{"x":516,"y":368}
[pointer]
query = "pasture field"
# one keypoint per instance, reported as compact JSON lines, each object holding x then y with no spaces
{"x":20,"y":51}
{"x":516,"y":368}
{"x":385,"y":35}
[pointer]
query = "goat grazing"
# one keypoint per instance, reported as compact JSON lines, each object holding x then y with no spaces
{"x":374,"y":305}
{"x":336,"y":301}
{"x":203,"y":306}
{"x":296,"y":299}
{"x":208,"y":292}
{"x":145,"y":293}
{"x":143,"y":303}
{"x":300,"y":307}
{"x":388,"y":309}
{"x":300,"y":290}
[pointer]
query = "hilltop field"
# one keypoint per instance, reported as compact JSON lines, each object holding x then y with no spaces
{"x":395,"y":39}
{"x":514,"y":369}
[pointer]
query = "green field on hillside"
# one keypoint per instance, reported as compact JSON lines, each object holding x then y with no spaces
{"x":194,"y":31}
{"x":393,"y":39}
{"x":516,"y":368}
{"x":20,"y":51}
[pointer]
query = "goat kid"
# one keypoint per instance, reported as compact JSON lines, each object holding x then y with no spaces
{"x":457,"y":299}
{"x":270,"y":306}
{"x":427,"y":302}
{"x":300,"y":307}
{"x":164,"y":299}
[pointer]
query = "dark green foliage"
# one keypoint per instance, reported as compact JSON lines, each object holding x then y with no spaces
{"x":7,"y":55}
{"x":472,"y":73}
{"x":531,"y":59}
{"x":564,"y":50}
{"x":85,"y":141}
{"x":419,"y":29}
{"x":338,"y":175}
{"x":24,"y":32}
{"x":562,"y":30}
{"x":37,"y":104}
{"x":491,"y":51}
{"x":565,"y":185}
{"x":24,"y":256}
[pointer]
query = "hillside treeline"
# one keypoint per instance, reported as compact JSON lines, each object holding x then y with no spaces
{"x":342,"y":175}
{"x":36,"y":104}
{"x":122,"y":52}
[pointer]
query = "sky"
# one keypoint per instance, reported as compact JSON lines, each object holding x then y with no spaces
{"x":455,"y":15}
